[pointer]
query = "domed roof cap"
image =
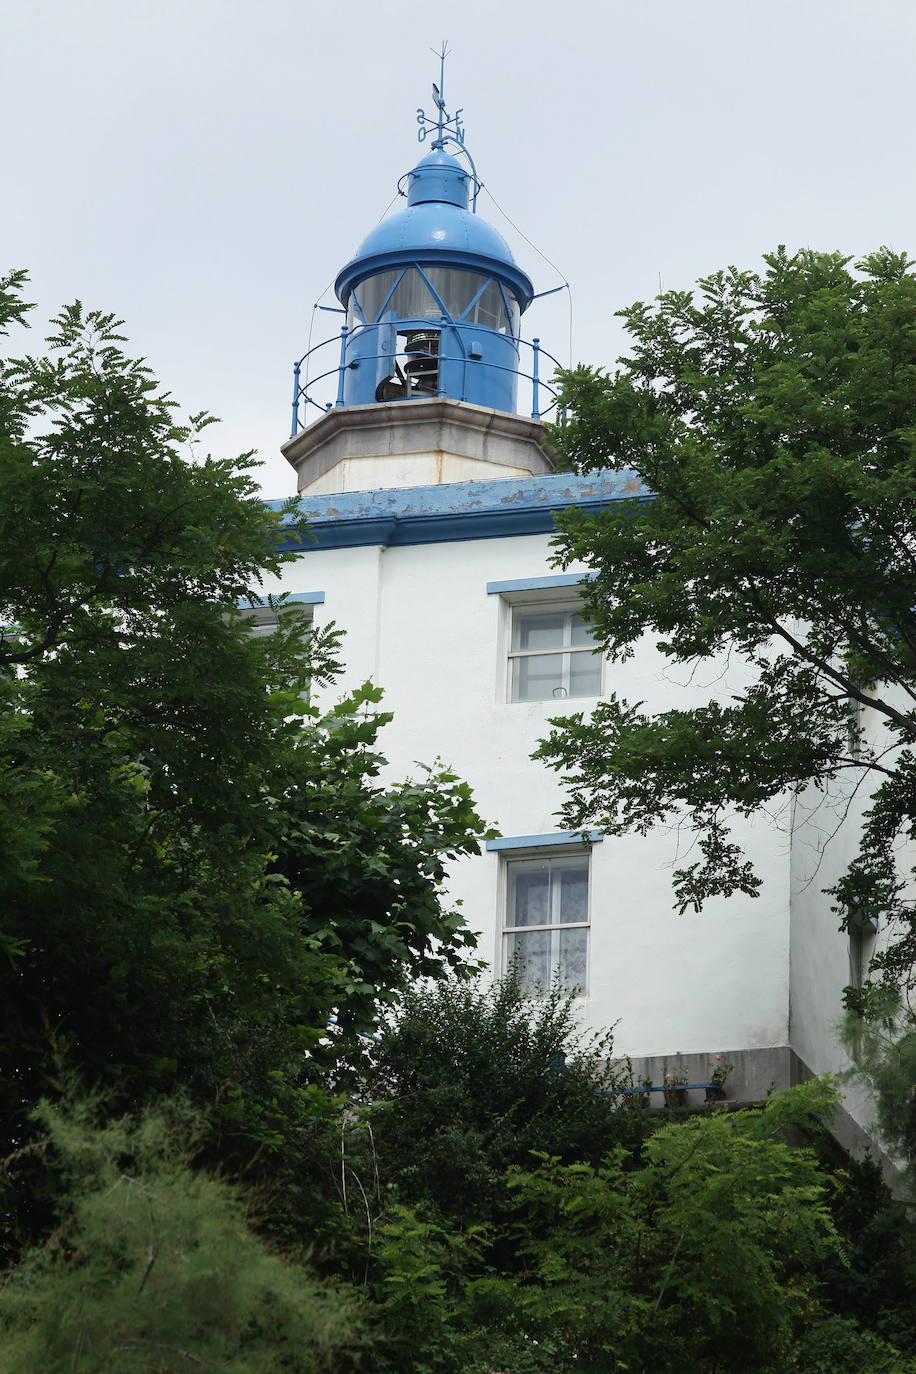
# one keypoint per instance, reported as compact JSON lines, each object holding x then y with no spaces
{"x":436,"y":228}
{"x":438,"y":177}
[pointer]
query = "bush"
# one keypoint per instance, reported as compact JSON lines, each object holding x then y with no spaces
{"x":469,"y":1079}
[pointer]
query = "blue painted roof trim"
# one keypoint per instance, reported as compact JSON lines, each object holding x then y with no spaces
{"x":535,"y":584}
{"x":542,"y":841}
{"x":490,"y":509}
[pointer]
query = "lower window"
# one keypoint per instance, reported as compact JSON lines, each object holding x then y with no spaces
{"x":546,"y":929}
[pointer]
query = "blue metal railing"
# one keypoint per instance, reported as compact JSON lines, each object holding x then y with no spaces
{"x":302,"y":390}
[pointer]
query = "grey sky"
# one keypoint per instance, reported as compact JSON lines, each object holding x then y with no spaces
{"x":204,"y":167}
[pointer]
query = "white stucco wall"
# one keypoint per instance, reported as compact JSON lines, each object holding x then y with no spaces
{"x":419,"y":621}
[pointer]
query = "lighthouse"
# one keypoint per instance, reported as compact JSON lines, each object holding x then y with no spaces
{"x":421,"y":445}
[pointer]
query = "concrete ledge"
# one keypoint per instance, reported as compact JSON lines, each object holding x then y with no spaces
{"x":433,"y":426}
{"x":754,"y":1075}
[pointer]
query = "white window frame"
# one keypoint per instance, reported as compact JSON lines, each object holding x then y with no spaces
{"x":518,"y":857}
{"x":545,"y":604}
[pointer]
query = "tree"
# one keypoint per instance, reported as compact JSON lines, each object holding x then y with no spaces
{"x":772,"y":420}
{"x":154,"y":1267}
{"x":197,"y":866}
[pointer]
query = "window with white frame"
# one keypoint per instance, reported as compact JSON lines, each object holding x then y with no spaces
{"x":547,"y":920}
{"x":552,"y":653}
{"x":264,"y":619}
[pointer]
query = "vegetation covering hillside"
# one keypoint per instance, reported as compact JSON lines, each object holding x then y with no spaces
{"x":198,"y":870}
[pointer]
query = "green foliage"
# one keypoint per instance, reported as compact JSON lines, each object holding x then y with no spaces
{"x":773,"y":418}
{"x":468,"y":1079}
{"x":154,"y":1267}
{"x":368,"y":862}
{"x":197,"y":866}
{"x":880,"y":1030}
{"x":837,"y":1344}
{"x":704,"y":1259}
{"x":876,"y":1285}
{"x":703,"y":1251}
{"x":424,"y":1285}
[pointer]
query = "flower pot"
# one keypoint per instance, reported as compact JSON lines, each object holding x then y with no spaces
{"x":715,"y":1093}
{"x":676,"y":1097}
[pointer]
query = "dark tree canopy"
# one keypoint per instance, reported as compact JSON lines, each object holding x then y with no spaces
{"x":772,"y":417}
{"x":197,"y":867}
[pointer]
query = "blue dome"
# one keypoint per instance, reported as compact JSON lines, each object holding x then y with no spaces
{"x":438,"y":231}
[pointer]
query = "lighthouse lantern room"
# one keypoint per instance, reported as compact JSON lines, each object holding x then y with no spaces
{"x":433,"y":300}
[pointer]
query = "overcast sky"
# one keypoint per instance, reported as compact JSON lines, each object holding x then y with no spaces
{"x":204,"y":167}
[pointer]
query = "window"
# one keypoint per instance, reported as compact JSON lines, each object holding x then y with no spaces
{"x":552,"y":654}
{"x":546,"y":926}
{"x":263,"y":620}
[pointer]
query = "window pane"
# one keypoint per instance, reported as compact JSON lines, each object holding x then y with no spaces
{"x":372,"y":292}
{"x":570,"y":955}
{"x":541,"y":630}
{"x":538,"y":678}
{"x":584,"y":675}
{"x":580,"y":631}
{"x":572,"y":903}
{"x":455,"y":287}
{"x":262,"y":628}
{"x":413,"y":299}
{"x":529,"y":895}
{"x":489,"y":310}
{"x":532,"y":949}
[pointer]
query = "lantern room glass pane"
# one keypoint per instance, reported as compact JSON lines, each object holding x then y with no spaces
{"x":412,"y":299}
{"x":490,"y":310}
{"x":372,"y":292}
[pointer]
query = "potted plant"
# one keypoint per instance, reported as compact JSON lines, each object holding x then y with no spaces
{"x":719,"y":1071}
{"x":676,"y":1080}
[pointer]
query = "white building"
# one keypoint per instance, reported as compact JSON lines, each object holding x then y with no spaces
{"x":432,"y":502}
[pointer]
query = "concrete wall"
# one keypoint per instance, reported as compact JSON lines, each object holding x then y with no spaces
{"x":420,"y":622}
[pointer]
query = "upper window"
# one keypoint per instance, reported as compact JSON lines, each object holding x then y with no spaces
{"x":546,"y":926}
{"x":553,"y":654}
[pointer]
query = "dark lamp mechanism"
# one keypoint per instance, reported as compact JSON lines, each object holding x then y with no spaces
{"x":420,"y":374}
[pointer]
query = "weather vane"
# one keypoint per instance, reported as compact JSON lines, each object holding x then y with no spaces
{"x":447,"y":128}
